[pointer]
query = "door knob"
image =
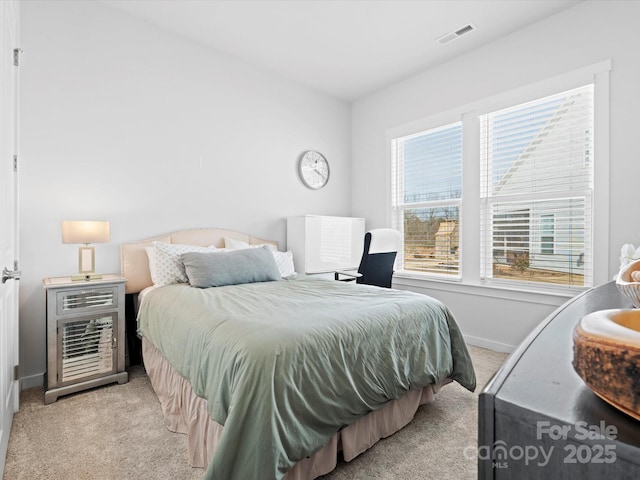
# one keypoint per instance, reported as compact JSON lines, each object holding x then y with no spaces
{"x":10,"y":274}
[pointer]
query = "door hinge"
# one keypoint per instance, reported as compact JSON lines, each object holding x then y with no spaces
{"x":16,"y":372}
{"x":16,"y":56}
{"x":15,"y":163}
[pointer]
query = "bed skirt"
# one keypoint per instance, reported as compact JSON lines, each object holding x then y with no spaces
{"x":187,"y":413}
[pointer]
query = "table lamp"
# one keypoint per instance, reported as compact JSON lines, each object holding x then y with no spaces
{"x":85,"y":232}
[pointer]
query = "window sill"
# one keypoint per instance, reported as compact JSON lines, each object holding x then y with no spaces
{"x":557,"y":298}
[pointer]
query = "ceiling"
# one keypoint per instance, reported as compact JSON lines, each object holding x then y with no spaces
{"x":346,"y":48}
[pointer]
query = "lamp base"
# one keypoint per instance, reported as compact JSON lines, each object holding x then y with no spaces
{"x":86,"y":277}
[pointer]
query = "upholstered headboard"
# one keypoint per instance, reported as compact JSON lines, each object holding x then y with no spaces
{"x":134,"y":264}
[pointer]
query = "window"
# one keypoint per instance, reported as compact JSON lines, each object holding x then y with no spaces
{"x":502,"y":192}
{"x":426,"y":200}
{"x":535,"y":159}
{"x":546,"y":234}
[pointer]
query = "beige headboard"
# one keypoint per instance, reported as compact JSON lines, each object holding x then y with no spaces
{"x":134,"y":264}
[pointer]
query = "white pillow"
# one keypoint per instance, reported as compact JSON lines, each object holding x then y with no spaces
{"x":151,"y":255}
{"x":165,"y":265}
{"x":284,"y":260}
{"x":233,"y":244}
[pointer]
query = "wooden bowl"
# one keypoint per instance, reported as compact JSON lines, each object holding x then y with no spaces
{"x":606,"y":355}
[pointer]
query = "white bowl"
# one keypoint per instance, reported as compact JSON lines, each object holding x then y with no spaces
{"x":627,"y":285}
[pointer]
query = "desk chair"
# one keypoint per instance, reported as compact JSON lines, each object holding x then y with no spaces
{"x":376,"y":266}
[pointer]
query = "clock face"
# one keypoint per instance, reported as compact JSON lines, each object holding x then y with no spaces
{"x":314,"y":170}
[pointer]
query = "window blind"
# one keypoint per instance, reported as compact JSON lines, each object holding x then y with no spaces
{"x":536,"y":190}
{"x":427,"y":191}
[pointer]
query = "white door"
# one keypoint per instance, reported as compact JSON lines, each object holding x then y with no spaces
{"x":9,"y":388}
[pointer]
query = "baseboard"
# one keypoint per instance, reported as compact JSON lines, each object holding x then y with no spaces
{"x":32,"y":381}
{"x":490,"y":344}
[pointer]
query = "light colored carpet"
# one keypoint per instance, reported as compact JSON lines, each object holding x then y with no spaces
{"x":118,"y":432}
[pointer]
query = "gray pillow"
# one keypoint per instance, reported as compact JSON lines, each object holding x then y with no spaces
{"x":217,"y":269}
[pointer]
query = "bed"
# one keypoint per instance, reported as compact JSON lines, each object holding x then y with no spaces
{"x":270,"y":378}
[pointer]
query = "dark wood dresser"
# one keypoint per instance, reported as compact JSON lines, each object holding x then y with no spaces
{"x":537,"y":418}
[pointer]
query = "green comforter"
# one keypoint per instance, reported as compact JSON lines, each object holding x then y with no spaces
{"x":284,"y":365}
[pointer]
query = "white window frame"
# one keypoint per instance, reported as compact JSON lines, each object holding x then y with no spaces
{"x":470,"y":280}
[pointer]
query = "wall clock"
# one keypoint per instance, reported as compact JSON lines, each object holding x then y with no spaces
{"x":313,"y":169}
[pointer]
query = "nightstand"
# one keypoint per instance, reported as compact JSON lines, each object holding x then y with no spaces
{"x":85,"y":334}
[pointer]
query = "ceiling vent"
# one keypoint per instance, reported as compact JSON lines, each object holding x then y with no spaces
{"x":448,"y":37}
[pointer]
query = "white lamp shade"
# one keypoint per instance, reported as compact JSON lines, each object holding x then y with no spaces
{"x":85,"y":232}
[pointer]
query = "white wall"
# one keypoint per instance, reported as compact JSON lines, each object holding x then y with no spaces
{"x":125,"y":122}
{"x":583,"y":35}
